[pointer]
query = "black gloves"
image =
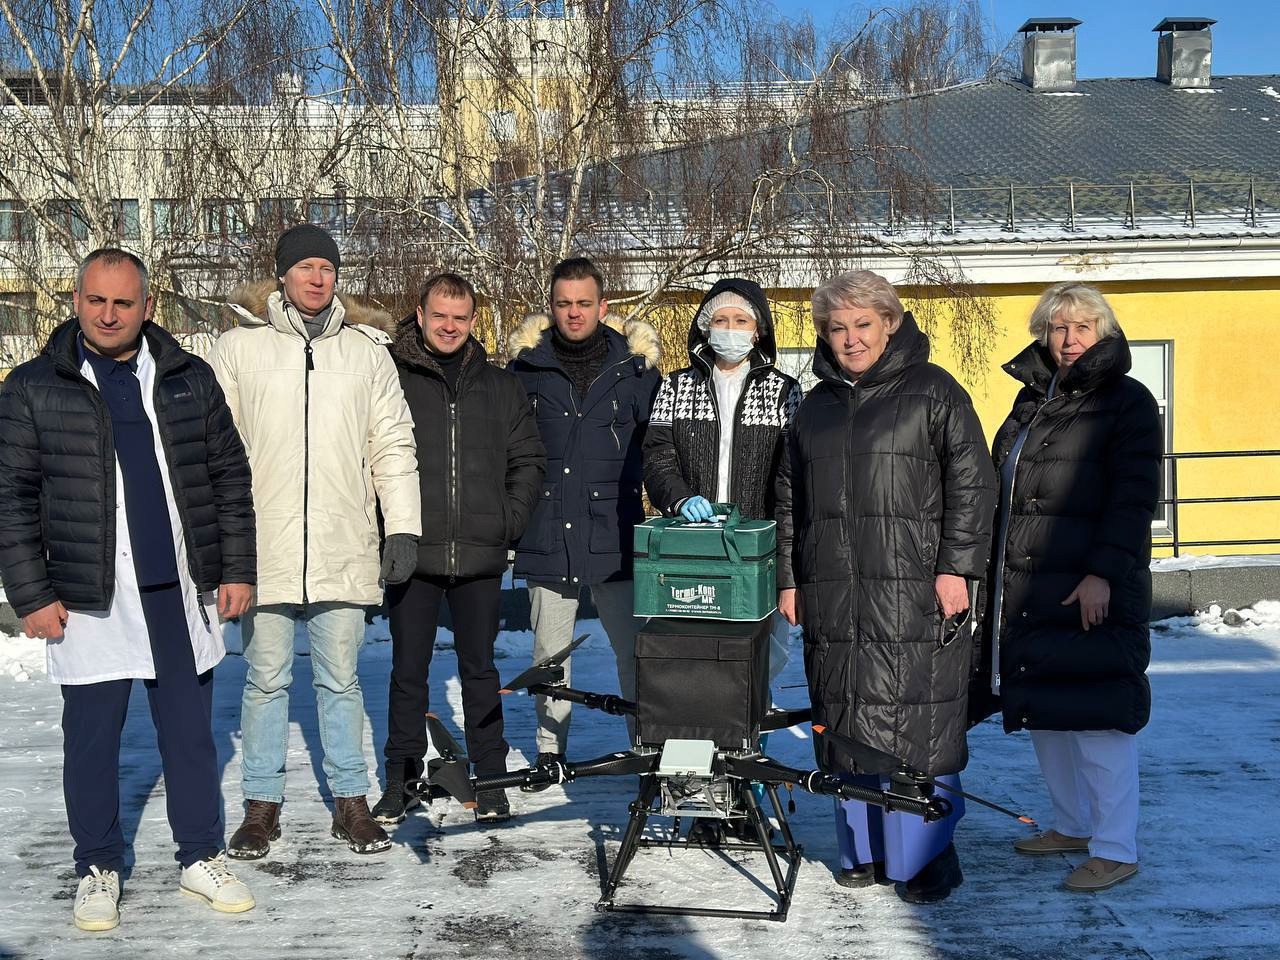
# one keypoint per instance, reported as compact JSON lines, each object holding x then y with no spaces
{"x":399,"y":558}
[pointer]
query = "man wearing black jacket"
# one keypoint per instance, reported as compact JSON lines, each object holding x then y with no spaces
{"x":479,"y":482}
{"x":126,"y":528}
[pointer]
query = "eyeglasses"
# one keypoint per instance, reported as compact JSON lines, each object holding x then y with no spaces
{"x":950,"y":627}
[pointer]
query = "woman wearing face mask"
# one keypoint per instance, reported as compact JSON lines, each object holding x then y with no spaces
{"x":884,"y":515}
{"x":1079,"y":461}
{"x":715,"y":434}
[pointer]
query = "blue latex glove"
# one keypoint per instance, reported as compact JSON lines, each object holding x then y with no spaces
{"x":697,"y":509}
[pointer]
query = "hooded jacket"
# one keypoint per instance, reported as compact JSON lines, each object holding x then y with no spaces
{"x":1085,"y":488}
{"x":485,"y":465}
{"x":682,"y":444}
{"x":58,"y":483}
{"x":330,"y":441}
{"x":581,"y":528}
{"x":887,"y":485}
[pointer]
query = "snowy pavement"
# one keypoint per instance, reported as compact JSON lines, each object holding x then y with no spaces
{"x":1210,"y":839}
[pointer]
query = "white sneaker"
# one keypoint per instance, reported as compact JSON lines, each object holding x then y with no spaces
{"x":97,"y":900}
{"x":211,"y":881}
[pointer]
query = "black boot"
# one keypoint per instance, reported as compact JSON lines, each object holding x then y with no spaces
{"x":936,"y":879}
{"x":863,"y":875}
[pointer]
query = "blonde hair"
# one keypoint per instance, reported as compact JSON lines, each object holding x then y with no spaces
{"x":1074,"y":299}
{"x":857,"y":288}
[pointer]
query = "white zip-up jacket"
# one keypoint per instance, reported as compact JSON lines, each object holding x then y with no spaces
{"x":329,"y":438}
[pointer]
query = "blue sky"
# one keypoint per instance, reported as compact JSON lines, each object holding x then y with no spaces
{"x":1116,"y":39}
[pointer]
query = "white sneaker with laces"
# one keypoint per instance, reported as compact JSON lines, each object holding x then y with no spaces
{"x":97,"y":900}
{"x":211,"y":881}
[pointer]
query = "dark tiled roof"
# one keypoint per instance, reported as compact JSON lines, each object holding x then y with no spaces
{"x":1106,"y":131}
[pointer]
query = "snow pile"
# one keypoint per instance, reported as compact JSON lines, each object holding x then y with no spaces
{"x":1264,"y":613}
{"x":20,"y":657}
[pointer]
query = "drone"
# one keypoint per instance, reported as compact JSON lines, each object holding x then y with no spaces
{"x":706,"y":782}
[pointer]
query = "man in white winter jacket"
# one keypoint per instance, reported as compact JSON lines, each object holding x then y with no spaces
{"x":318,"y":404}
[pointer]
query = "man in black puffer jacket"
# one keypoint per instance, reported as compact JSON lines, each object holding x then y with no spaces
{"x":480,"y":469}
{"x":124,"y":506}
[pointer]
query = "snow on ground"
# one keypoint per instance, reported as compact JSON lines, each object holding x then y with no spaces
{"x":1198,"y":562}
{"x":1209,"y":886}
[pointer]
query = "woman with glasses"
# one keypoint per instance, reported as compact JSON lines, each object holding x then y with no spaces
{"x":884,"y":521}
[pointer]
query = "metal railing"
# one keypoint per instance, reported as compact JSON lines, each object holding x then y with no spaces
{"x":1175,"y":502}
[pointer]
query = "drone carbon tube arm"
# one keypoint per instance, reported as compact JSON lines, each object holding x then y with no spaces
{"x":610,"y":765}
{"x":606,"y":702}
{"x":815,"y":781}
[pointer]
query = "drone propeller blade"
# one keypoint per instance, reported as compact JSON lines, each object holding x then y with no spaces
{"x":453,"y":777}
{"x":443,"y":741}
{"x":868,"y":758}
{"x":546,"y":670}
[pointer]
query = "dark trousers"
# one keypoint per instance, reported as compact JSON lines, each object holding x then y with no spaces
{"x":181,"y":703}
{"x":413,"y":611}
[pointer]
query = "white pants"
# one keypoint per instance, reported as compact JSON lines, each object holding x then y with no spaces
{"x":1092,"y":776}
{"x":554,"y":613}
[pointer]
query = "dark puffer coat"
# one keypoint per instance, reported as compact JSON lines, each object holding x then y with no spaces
{"x":887,"y":485}
{"x":58,"y":480}
{"x":480,"y":464}
{"x":582,"y":526}
{"x":1084,"y":493}
{"x":682,"y":444}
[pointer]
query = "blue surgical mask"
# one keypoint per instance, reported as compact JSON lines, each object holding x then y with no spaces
{"x":732,"y":346}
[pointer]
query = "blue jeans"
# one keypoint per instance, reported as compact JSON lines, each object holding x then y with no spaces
{"x":337,"y":633}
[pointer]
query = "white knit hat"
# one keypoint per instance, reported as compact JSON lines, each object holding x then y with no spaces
{"x":729,"y":298}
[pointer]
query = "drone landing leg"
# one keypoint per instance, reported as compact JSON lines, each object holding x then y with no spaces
{"x":785,"y":886}
{"x":784,"y":883}
{"x":640,"y":809}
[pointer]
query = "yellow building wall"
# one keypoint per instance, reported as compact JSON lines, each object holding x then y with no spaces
{"x":1225,"y":395}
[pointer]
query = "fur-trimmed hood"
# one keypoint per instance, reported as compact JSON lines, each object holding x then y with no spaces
{"x":248,"y":304}
{"x":642,"y":339}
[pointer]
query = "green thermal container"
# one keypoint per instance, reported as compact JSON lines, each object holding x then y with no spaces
{"x":721,"y":570}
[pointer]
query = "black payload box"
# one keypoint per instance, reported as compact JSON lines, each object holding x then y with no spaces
{"x":702,"y":680}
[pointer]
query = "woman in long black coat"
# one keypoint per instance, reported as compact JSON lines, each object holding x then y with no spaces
{"x":1079,"y":460}
{"x":884,"y":516}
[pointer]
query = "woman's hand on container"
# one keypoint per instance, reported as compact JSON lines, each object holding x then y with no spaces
{"x":791,"y":606}
{"x":1094,"y":596}
{"x":952,"y":594}
{"x":697,"y":509}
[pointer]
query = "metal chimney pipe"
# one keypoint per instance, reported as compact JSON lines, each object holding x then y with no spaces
{"x":1049,"y":53}
{"x":1184,"y":52}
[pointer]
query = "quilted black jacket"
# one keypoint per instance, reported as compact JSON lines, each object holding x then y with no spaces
{"x":1084,"y":492}
{"x":887,"y":485}
{"x":58,"y":486}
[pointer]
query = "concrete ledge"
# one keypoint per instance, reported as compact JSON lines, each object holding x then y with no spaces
{"x":1176,"y":593}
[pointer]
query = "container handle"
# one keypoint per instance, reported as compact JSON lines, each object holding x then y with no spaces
{"x":729,"y":532}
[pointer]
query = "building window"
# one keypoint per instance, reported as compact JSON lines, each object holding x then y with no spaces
{"x":274,"y":214}
{"x":1153,"y":368}
{"x":15,"y":222}
{"x":17,"y":314}
{"x":502,"y":126}
{"x":224,"y":219}
{"x":326,"y":212}
{"x":170,"y":219}
{"x":69,"y":215}
{"x":126,"y":224}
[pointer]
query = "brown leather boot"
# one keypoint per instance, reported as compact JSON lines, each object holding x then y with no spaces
{"x":261,"y":825}
{"x":353,"y":823}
